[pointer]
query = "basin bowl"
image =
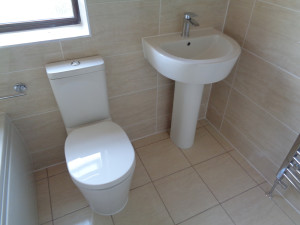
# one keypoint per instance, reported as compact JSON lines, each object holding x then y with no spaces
{"x":207,"y":56}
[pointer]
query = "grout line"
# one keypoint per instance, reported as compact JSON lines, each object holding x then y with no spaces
{"x":248,"y":141}
{"x":35,"y":114}
{"x":244,"y":169}
{"x":273,"y":64}
{"x":112,"y":218}
{"x":211,"y":87}
{"x":62,"y":52}
{"x":156,"y":106}
{"x":256,"y":185}
{"x":248,"y":26}
{"x":50,"y":199}
{"x":156,"y":189}
{"x":159,"y":16}
{"x":228,"y":215}
{"x":265,"y":111}
{"x":23,"y":70}
{"x":131,"y":93}
{"x":151,"y":142}
{"x":71,"y":212}
{"x":280,"y":6}
{"x":225,"y":16}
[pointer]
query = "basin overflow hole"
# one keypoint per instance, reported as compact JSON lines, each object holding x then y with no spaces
{"x":188,"y":44}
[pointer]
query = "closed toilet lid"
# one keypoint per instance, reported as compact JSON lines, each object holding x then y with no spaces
{"x":99,"y":156}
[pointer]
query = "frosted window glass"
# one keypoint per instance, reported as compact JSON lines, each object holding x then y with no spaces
{"x":18,"y":11}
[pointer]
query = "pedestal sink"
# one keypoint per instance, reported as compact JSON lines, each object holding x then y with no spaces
{"x":206,"y":56}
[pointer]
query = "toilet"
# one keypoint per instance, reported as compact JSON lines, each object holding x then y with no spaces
{"x":99,"y":155}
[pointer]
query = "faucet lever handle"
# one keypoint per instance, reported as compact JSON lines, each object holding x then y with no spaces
{"x":189,"y":15}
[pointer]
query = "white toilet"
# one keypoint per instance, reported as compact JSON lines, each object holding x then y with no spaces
{"x":99,"y":155}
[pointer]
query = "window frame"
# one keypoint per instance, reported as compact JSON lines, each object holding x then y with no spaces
{"x":45,"y":23}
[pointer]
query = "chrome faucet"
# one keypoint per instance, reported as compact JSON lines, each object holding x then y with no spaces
{"x":187,"y":20}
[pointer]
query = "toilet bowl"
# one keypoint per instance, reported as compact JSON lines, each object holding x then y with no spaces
{"x":99,"y":155}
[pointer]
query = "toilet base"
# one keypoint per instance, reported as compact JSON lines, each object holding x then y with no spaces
{"x":108,"y":201}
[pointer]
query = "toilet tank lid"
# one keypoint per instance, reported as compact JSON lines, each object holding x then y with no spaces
{"x":74,"y":67}
{"x":99,"y":156}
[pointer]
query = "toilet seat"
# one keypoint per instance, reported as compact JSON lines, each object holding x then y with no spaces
{"x":99,"y":156}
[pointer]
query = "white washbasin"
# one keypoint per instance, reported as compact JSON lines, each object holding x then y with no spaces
{"x":207,"y":56}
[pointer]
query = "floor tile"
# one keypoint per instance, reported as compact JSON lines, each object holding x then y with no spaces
{"x":143,"y":208}
{"x":205,"y":147}
{"x":102,"y":220}
{"x":162,"y":158}
{"x":140,"y":176}
{"x":282,"y":203}
{"x":41,"y":174}
{"x":213,"y":216}
{"x":54,"y":170}
{"x":43,"y":201}
{"x":49,"y":223}
{"x":150,"y":140}
{"x":225,"y":144}
{"x":65,"y":196}
{"x":80,"y":217}
{"x":224,"y":177}
{"x":184,"y":194}
{"x":253,"y":208}
{"x":250,"y":170}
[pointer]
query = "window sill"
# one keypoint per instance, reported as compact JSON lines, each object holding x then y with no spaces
{"x":49,"y":34}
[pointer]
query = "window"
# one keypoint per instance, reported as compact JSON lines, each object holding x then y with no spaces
{"x":26,"y":21}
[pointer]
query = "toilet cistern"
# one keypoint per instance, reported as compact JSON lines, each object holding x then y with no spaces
{"x":187,"y":20}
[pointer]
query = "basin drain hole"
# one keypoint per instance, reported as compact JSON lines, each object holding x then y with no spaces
{"x":188,"y":44}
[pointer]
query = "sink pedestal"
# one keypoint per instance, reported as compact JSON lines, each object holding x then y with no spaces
{"x":186,"y":106}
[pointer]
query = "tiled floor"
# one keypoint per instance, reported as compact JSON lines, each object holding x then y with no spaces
{"x":209,"y":184}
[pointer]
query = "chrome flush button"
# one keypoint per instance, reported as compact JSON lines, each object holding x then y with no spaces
{"x":75,"y":63}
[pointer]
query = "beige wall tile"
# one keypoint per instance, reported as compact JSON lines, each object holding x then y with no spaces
{"x":213,"y":116}
{"x":201,"y":123}
{"x":141,"y":129}
{"x":244,"y":212}
{"x":224,"y":177}
{"x":202,"y":111}
{"x":292,"y":4}
{"x":184,"y":194}
{"x":116,"y":28}
{"x":215,"y":216}
{"x":230,"y":78}
{"x":39,"y":96}
{"x":140,"y":176}
{"x":144,"y":207}
{"x":237,"y":19}
{"x":42,"y":131}
{"x":57,"y":169}
{"x":219,"y":96}
{"x":255,"y":155}
{"x":131,"y":109}
{"x":274,"y":90}
{"x":41,"y":174}
{"x":162,"y":158}
{"x":48,"y":157}
{"x":43,"y":201}
{"x":162,"y":80}
{"x":273,"y":138}
{"x":206,"y":93}
{"x":204,"y":148}
{"x":278,"y":30}
{"x":128,"y":73}
{"x":104,"y":1}
{"x":150,"y":140}
{"x":165,"y":100}
{"x":164,"y":122}
{"x":210,"y":13}
{"x":65,"y":196}
{"x":29,"y":56}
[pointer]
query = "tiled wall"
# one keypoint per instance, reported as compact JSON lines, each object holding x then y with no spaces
{"x":258,"y":106}
{"x":140,"y":99}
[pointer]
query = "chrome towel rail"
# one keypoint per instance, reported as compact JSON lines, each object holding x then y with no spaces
{"x":19,"y":88}
{"x":290,"y":170}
